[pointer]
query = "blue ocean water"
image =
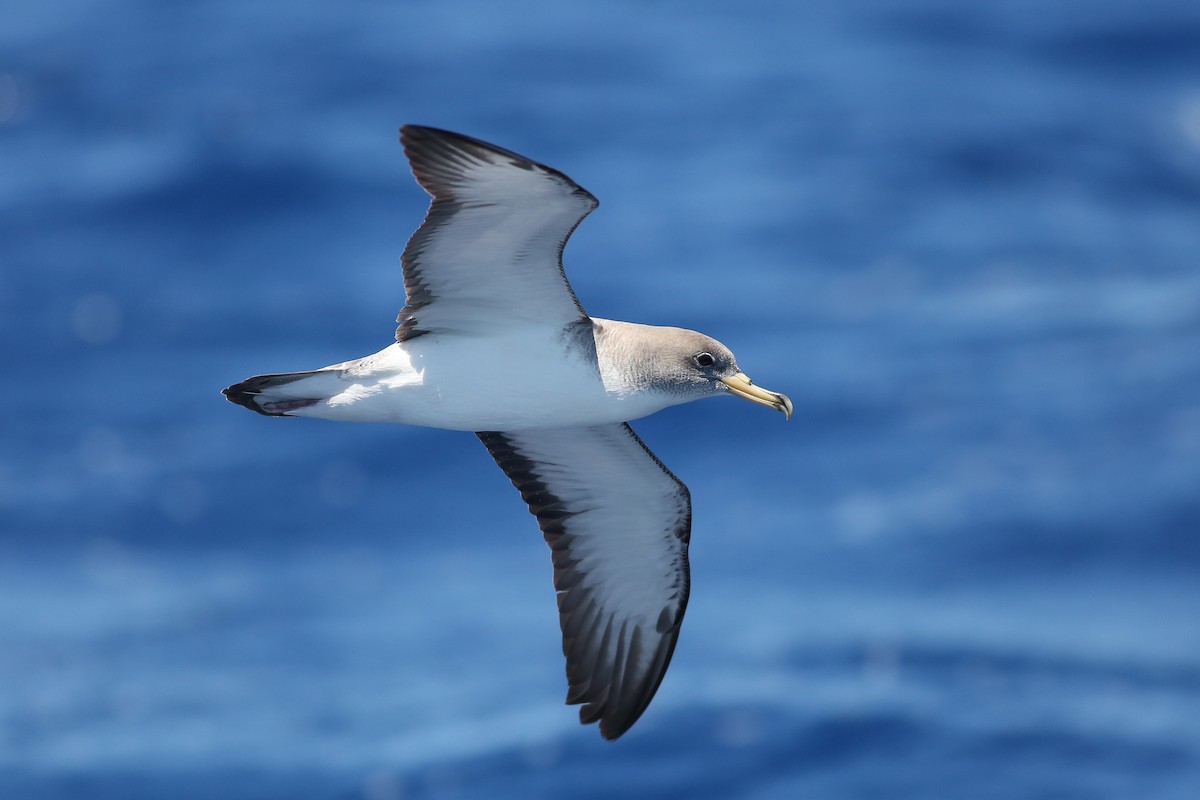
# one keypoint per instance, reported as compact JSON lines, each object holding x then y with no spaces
{"x":964,"y":237}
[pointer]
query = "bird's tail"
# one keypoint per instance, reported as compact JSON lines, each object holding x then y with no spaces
{"x":281,"y":394}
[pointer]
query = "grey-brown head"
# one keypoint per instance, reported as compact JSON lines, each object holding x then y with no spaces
{"x":684,"y":363}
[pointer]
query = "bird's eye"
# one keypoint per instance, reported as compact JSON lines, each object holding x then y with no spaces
{"x":703,"y":360}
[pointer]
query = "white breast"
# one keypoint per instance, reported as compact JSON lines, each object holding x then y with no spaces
{"x":526,"y":379}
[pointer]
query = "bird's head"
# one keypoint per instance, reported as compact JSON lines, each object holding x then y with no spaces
{"x":690,"y":365}
{"x":709,"y":365}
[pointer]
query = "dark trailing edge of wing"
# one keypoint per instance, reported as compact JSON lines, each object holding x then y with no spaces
{"x":416,"y":291}
{"x":597,"y":682}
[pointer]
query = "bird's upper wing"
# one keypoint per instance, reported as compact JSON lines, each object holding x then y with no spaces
{"x":489,"y":252}
{"x":618,"y":524}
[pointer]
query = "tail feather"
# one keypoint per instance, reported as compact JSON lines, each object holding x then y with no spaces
{"x":266,"y":394}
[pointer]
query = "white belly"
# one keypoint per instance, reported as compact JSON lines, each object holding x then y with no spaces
{"x":504,"y":383}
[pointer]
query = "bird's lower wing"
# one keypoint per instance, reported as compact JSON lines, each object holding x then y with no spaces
{"x":618,"y":524}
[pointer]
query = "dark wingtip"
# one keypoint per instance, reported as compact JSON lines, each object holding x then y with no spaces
{"x":417,"y":134}
{"x":428,"y":148}
{"x":611,"y":733}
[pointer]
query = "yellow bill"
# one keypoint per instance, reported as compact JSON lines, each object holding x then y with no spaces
{"x":742,"y":386}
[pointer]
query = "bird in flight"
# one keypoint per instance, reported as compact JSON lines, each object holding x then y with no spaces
{"x":493,"y":340}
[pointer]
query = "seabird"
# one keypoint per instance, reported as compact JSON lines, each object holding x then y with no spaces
{"x":493,"y":340}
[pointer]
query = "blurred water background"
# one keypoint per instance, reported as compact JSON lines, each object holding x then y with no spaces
{"x":964,"y":237}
